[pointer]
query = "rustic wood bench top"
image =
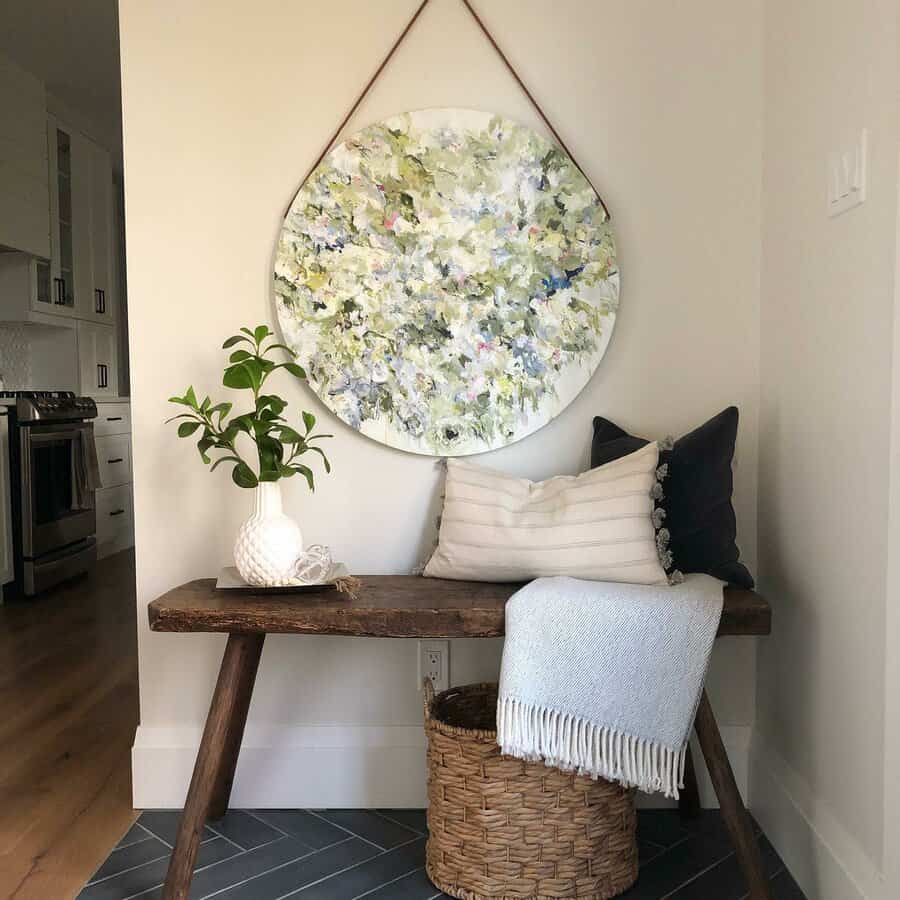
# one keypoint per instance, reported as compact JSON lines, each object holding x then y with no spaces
{"x":386,"y":606}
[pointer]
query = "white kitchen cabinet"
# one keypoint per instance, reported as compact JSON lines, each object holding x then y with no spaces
{"x":113,"y":418}
{"x":113,"y":501}
{"x":24,"y":182}
{"x":103,"y":306}
{"x":6,"y":546}
{"x":115,"y":520}
{"x":24,"y":287}
{"x":114,"y":459}
{"x":97,"y":359}
{"x":81,"y":226}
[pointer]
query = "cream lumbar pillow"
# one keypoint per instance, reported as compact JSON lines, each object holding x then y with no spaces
{"x":600,"y":525}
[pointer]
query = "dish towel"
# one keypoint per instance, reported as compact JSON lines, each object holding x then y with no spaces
{"x":605,"y":678}
{"x":86,"y":469}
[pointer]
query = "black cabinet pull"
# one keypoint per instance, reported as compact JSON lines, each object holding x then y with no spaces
{"x":102,"y":375}
{"x":100,"y":301}
{"x":113,"y":418}
{"x":60,"y":291}
{"x":117,"y":459}
{"x":117,"y":512}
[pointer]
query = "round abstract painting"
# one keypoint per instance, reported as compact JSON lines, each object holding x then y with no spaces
{"x":448,"y":278}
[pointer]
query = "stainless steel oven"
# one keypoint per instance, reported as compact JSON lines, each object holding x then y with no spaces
{"x":53,"y":476}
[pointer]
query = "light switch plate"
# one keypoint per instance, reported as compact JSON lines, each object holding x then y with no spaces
{"x":847,"y":177}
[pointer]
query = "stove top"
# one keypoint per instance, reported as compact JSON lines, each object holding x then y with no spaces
{"x":30,"y":395}
{"x":55,"y":406}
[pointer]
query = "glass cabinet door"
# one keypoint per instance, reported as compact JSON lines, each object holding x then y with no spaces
{"x":64,"y":287}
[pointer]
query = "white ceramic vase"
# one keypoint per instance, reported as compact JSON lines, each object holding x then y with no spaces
{"x":269,"y":542}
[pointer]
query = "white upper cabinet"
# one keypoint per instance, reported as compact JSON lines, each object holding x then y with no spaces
{"x":24,"y":181}
{"x":103,"y":307}
{"x":97,"y":360}
{"x":81,"y":227}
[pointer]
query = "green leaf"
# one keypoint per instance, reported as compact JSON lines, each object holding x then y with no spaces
{"x":242,"y":475}
{"x":246,"y":330}
{"x":273,"y":402}
{"x":307,"y":473}
{"x":290,"y":436}
{"x":186,"y":429}
{"x":180,"y":400}
{"x":222,"y":459}
{"x":309,"y":420}
{"x":191,"y":397}
{"x":271,"y":452}
{"x":242,"y":423}
{"x":180,"y":416}
{"x":238,"y":355}
{"x":318,"y":437}
{"x":287,"y":471}
{"x":260,"y":333}
{"x":279,"y":347}
{"x":235,"y":339}
{"x":321,"y":453}
{"x":222,"y":409}
{"x":204,"y":406}
{"x":245,"y":374}
{"x":203,"y":445}
{"x":294,"y":369}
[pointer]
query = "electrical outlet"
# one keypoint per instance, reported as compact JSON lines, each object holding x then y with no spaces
{"x":434,"y":663}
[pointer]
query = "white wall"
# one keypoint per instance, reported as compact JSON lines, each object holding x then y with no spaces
{"x":827,"y":315}
{"x":225,"y":107}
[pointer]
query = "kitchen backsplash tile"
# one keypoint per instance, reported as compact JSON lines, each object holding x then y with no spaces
{"x":15,"y":357}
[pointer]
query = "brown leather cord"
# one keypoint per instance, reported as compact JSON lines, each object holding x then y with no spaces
{"x":366,"y":89}
{"x":534,"y":102}
{"x":506,"y":62}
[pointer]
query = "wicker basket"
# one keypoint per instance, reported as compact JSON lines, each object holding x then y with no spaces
{"x":502,"y":828}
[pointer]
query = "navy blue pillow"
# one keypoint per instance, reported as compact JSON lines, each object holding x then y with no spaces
{"x":697,"y":501}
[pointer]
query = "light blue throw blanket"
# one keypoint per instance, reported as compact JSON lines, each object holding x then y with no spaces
{"x":605,"y":678}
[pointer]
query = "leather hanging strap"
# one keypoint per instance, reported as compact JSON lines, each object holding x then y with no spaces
{"x":534,"y":103}
{"x":506,"y":62}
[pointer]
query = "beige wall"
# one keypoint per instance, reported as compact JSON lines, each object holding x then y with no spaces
{"x":225,"y":106}
{"x":827,"y":313}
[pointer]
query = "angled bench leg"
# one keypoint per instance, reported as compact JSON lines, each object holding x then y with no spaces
{"x":216,"y":758}
{"x":737,"y":820}
{"x":221,"y":794}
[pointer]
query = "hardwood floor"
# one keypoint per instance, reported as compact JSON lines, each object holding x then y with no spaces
{"x":68,"y":711}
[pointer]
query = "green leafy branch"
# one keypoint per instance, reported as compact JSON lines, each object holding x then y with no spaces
{"x":278,"y":445}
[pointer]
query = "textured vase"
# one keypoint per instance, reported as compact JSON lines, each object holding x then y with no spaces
{"x":269,"y":542}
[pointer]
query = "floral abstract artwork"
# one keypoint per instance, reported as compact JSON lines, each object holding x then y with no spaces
{"x":448,"y":279}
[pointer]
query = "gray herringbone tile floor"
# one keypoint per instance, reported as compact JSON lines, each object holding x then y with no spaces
{"x":343,"y":854}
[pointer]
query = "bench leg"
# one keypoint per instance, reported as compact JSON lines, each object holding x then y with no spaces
{"x":689,"y":796}
{"x":221,"y":794}
{"x":737,"y":820}
{"x":217,"y":756}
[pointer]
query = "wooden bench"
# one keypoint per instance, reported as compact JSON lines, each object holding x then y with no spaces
{"x":387,"y":606}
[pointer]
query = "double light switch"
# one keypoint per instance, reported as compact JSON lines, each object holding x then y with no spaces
{"x":847,"y":177}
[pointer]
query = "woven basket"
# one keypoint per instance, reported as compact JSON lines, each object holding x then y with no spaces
{"x":502,"y":828}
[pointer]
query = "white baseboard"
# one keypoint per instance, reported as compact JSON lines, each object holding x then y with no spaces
{"x":825,"y":859}
{"x":336,"y":766}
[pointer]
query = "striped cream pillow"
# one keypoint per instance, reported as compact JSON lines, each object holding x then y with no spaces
{"x":598,"y":525}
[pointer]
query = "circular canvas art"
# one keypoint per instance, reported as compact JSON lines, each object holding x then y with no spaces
{"x":448,"y":279}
